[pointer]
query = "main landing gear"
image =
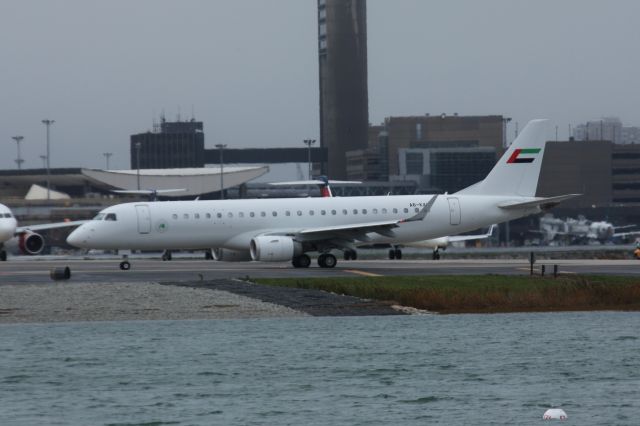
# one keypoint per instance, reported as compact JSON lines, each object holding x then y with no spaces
{"x":350,"y":255}
{"x":436,"y":254}
{"x":3,"y":256}
{"x":325,"y":260}
{"x":395,"y":253}
{"x":166,"y":255}
{"x":302,"y":261}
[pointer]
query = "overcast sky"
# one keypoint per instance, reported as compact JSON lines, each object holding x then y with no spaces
{"x":249,"y":68}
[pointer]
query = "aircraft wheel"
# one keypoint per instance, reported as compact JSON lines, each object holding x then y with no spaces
{"x":208,"y":255}
{"x":392,"y":254}
{"x":125,"y":265}
{"x":436,"y":255}
{"x":3,"y":256}
{"x":350,"y":255}
{"x":166,"y":255}
{"x":398,"y":254}
{"x":327,"y":260}
{"x":302,"y":261}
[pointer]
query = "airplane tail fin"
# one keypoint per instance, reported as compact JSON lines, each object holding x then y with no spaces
{"x":517,"y":172}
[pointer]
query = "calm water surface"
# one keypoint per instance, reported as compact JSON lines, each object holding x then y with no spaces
{"x":457,"y":369}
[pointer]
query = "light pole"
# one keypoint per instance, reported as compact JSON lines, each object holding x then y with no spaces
{"x":48,"y":123}
{"x":138,"y":145}
{"x":44,"y":161}
{"x":221,"y":147}
{"x":107,"y":155}
{"x":309,"y":142}
{"x":19,"y":160}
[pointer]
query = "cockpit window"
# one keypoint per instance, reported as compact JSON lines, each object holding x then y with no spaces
{"x":110,"y":216}
{"x":99,"y":216}
{"x":7,"y":215}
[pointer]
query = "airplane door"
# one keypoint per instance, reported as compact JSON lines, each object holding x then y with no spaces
{"x":144,"y":219}
{"x":455,"y":216}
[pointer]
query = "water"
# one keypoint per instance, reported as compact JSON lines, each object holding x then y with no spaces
{"x":457,"y":369}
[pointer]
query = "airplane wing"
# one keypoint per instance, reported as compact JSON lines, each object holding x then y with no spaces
{"x":45,"y":226}
{"x":626,"y":234}
{"x":358,"y":231}
{"x":455,"y":238}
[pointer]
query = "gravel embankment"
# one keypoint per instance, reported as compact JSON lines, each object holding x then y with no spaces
{"x":62,"y":302}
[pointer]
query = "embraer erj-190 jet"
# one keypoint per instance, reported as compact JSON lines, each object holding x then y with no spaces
{"x":23,"y":239}
{"x":287,"y":229}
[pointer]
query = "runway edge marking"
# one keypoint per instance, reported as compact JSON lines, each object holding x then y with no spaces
{"x":366,"y":274}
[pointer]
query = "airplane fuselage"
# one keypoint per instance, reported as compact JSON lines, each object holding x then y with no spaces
{"x":232,"y":224}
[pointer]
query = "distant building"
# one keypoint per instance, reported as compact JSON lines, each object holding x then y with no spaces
{"x":631,"y":135}
{"x":344,"y":99}
{"x":443,"y":131}
{"x":170,"y":145}
{"x":606,"y":129}
{"x":419,"y":136}
{"x":446,"y":169}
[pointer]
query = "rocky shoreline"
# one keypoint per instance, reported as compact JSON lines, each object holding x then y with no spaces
{"x":217,"y":299}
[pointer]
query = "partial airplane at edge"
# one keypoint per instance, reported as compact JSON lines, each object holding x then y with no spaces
{"x":23,"y":239}
{"x":287,"y":229}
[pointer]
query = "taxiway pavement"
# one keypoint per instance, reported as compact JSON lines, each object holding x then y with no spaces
{"x":36,"y":269}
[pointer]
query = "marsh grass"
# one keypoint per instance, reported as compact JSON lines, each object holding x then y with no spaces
{"x":484,"y":293}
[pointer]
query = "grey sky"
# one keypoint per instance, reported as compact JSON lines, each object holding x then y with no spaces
{"x":249,"y":67}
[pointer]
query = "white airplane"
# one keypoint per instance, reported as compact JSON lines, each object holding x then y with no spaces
{"x":437,"y":244}
{"x":23,"y":239}
{"x":287,"y":229}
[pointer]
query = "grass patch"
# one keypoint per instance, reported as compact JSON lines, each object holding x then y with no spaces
{"x":484,"y":293}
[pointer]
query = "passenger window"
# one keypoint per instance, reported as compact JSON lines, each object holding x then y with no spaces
{"x":311,"y":212}
{"x":174,"y":216}
{"x":374,"y":211}
{"x":274,"y":214}
{"x":344,"y":211}
{"x":219,"y":215}
{"x":111,"y":217}
{"x":333,"y":212}
{"x":230,"y":215}
{"x":186,"y":215}
{"x":241,"y":214}
{"x":252,"y":214}
{"x":364,"y":211}
{"x":355,"y":211}
{"x":417,"y":210}
{"x":406,"y":210}
{"x":299,"y":213}
{"x":384,"y":211}
{"x":287,"y":213}
{"x":323,"y":212}
{"x":208,"y":215}
{"x":395,"y":210}
{"x":196,"y":216}
{"x":263,"y":214}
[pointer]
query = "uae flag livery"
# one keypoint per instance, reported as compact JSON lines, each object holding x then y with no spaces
{"x":523,"y":155}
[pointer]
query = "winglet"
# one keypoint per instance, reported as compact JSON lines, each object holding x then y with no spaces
{"x":422,"y":213}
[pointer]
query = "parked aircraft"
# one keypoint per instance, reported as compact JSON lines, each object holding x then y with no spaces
{"x":23,"y":239}
{"x":437,"y":244}
{"x":581,"y":230}
{"x":287,"y":229}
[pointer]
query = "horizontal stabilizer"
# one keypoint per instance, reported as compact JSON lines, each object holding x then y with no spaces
{"x":543,"y":203}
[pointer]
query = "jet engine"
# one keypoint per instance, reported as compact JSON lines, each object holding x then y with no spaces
{"x":231,"y":255}
{"x":274,"y":248}
{"x":28,"y":243}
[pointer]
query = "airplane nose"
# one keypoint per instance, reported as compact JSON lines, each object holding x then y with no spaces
{"x":78,"y":237}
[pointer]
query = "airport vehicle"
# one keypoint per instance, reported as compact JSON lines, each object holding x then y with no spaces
{"x":23,"y":239}
{"x":287,"y":229}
